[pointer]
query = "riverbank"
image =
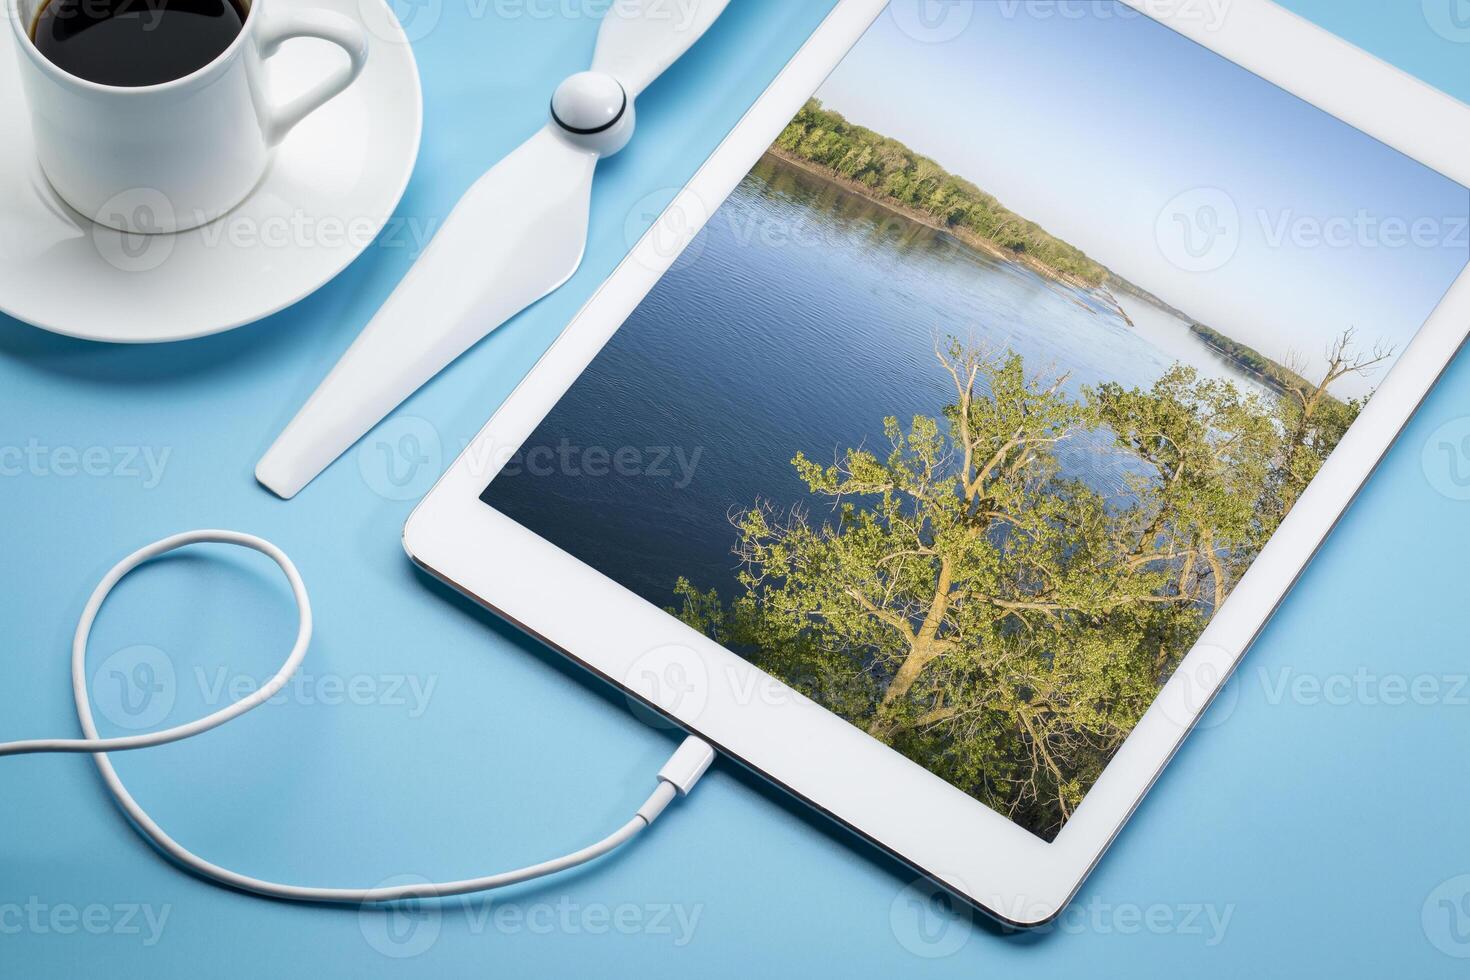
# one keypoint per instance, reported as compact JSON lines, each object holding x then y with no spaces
{"x":1275,"y":377}
{"x":964,"y":235}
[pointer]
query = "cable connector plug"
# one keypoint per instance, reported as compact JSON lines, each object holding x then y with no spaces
{"x":678,"y":776}
{"x":687,"y":764}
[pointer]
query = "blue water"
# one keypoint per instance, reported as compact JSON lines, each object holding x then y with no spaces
{"x":800,"y":318}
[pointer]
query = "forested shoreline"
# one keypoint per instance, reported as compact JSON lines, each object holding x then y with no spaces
{"x":890,"y":172}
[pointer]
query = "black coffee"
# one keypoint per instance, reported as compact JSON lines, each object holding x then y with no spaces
{"x":135,"y":42}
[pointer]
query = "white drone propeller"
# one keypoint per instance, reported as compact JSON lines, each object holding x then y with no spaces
{"x":517,"y":234}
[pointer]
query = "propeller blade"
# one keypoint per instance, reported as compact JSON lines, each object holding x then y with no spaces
{"x":640,"y":39}
{"x":517,"y":234}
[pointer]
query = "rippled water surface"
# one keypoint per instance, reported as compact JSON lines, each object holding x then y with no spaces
{"x":800,"y":318}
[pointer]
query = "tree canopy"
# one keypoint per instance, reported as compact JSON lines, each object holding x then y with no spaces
{"x":998,"y":621}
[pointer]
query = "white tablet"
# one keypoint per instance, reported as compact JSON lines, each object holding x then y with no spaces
{"x":1025,"y":354}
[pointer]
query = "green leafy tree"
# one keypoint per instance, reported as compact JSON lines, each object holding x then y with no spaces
{"x":1313,"y":420}
{"x":995,"y":620}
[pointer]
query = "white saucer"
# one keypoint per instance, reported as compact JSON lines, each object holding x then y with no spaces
{"x":332,"y":186}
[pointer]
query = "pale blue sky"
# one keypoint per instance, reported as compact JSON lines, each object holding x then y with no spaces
{"x":1091,"y":125}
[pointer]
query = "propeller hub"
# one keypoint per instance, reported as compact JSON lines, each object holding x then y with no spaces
{"x":594,"y":110}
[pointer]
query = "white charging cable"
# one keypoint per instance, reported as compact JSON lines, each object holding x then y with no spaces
{"x":676,"y":778}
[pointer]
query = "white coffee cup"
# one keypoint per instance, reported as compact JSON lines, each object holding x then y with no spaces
{"x":176,"y":155}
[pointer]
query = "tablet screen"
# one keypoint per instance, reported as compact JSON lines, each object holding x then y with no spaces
{"x":967,"y":410}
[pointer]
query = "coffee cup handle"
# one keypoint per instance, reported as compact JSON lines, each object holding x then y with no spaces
{"x":342,"y":31}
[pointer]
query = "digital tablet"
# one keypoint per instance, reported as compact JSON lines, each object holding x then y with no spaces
{"x":942,"y":448}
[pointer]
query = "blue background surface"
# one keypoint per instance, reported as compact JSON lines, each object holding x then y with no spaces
{"x":1327,"y":828}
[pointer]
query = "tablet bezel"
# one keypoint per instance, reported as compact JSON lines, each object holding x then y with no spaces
{"x":1006,"y":871}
